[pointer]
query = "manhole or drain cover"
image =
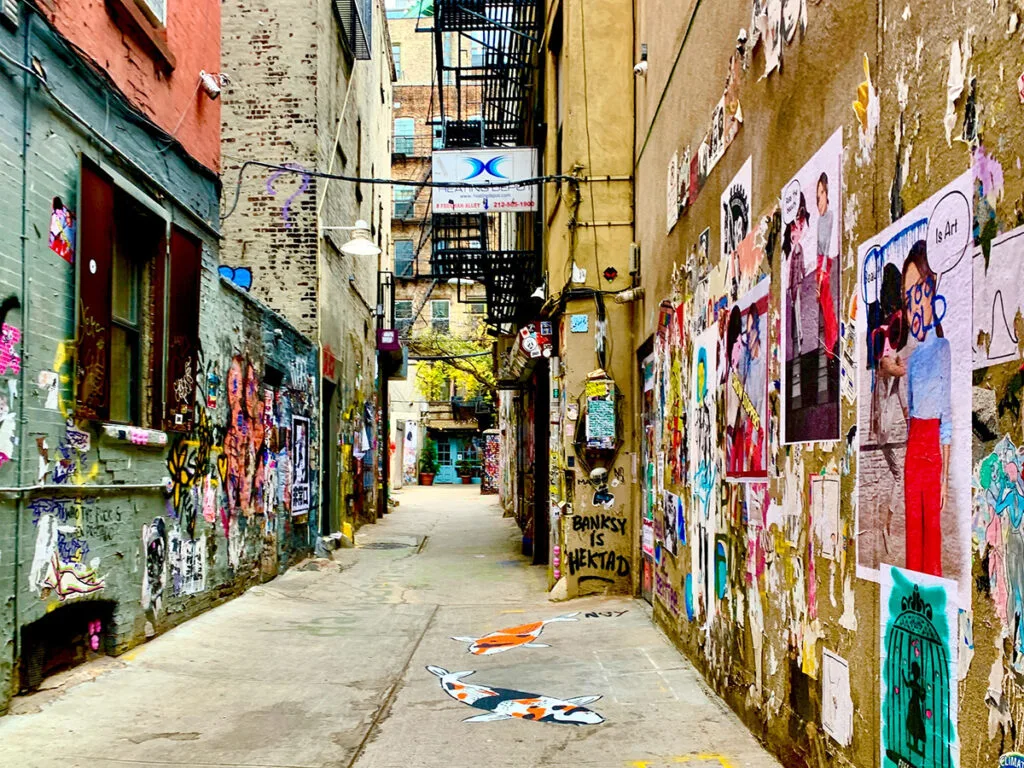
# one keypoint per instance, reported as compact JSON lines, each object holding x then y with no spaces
{"x":387,"y":545}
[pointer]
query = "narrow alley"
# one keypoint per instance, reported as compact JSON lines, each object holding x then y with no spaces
{"x":327,"y":666}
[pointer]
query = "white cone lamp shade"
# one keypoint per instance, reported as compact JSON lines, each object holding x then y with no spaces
{"x":359,"y":242}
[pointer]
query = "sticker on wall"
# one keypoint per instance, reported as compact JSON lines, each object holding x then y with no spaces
{"x":746,"y":385}
{"x":998,"y":298}
{"x":62,"y":231}
{"x":914,"y":351}
{"x":836,"y":702}
{"x":506,"y":704}
{"x":672,"y":193}
{"x":999,"y":533}
{"x":48,"y":383}
{"x":579,"y":323}
{"x":522,"y":636}
{"x":919,"y":665}
{"x":1013,"y":759}
{"x":825,"y":514}
{"x":736,"y":209}
{"x":811,"y":246}
{"x":610,"y":273}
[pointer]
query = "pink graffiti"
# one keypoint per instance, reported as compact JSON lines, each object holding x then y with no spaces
{"x":989,"y":172}
{"x":10,"y":337}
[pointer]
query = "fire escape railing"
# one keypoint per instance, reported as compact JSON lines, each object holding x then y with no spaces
{"x":486,"y":100}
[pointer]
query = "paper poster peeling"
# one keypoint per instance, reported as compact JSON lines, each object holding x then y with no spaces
{"x":746,"y":382}
{"x":919,"y":670}
{"x":998,"y":300}
{"x":811,"y":246}
{"x":825,"y":513}
{"x":868,"y":113}
{"x":959,"y":58}
{"x":914,"y":437}
{"x":672,"y":193}
{"x":836,"y":702}
{"x":736,"y":208}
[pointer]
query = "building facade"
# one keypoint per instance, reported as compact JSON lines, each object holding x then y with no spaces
{"x":809,"y":323}
{"x":155,"y":444}
{"x":310,"y":91}
{"x":451,"y":401}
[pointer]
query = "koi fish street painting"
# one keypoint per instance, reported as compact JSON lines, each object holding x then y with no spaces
{"x":523,"y":636}
{"x":506,"y":704}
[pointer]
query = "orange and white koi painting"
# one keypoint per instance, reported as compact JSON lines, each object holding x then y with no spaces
{"x":523,"y":636}
{"x":506,"y":704}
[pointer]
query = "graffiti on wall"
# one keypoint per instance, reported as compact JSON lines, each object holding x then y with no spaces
{"x":914,"y":351}
{"x":506,"y":704}
{"x":154,"y":574}
{"x":61,"y":565}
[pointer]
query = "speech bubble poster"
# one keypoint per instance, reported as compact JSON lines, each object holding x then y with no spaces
{"x":915,"y":280}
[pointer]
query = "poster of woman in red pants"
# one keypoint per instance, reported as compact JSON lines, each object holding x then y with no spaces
{"x":914,"y":392}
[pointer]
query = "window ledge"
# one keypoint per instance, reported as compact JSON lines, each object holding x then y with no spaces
{"x":135,"y":435}
{"x":153,"y":36}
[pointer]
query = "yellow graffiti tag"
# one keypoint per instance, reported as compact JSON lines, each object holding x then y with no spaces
{"x":703,"y":757}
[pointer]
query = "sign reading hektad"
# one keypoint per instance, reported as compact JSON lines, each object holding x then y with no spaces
{"x":483,"y":170}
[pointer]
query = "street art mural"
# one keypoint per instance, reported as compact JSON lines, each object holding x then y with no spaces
{"x":746,"y":383}
{"x":492,"y":463}
{"x":919,"y":670}
{"x":522,"y":636}
{"x":61,"y":562}
{"x":914,"y":351}
{"x":506,"y":704}
{"x":736,"y":210}
{"x":810,"y":295}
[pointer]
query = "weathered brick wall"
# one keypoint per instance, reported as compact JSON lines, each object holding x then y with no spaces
{"x":270,"y":115}
{"x":167,"y":95}
{"x":97,"y":543}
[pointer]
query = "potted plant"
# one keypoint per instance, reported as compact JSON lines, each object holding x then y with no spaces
{"x":465,"y":469}
{"x":428,"y":462}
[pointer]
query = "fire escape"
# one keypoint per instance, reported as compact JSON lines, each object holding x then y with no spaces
{"x":485,"y":100}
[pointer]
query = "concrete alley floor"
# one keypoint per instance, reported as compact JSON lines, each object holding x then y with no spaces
{"x":326,"y":667}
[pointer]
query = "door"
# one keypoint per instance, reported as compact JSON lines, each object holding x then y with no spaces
{"x":329,"y":519}
{"x":446,"y":452}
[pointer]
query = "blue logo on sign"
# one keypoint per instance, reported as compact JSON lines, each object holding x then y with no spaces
{"x":480,"y":167}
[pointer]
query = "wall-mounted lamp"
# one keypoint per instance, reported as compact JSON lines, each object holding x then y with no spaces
{"x":359,"y":242}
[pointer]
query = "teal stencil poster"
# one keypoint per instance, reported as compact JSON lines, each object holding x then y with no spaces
{"x":919,"y":665}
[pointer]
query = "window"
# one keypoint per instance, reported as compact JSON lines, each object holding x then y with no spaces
{"x":137,"y":351}
{"x":396,"y":56}
{"x":405,"y":202}
{"x":403,"y":314}
{"x":356,"y":17}
{"x":476,"y":54}
{"x":438,"y":136}
{"x":444,"y":453}
{"x":157,"y":9}
{"x":440,"y":310}
{"x":403,"y":258}
{"x":477,"y":308}
{"x":405,"y":130}
{"x":447,"y":59}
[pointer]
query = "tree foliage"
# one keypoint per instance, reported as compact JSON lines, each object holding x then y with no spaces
{"x":472,"y":377}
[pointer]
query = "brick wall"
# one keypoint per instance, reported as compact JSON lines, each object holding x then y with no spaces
{"x":104,"y":538}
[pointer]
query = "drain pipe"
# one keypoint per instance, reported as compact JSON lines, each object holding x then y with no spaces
{"x":20,"y":502}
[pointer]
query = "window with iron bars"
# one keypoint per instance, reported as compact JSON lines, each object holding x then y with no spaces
{"x":403,"y":315}
{"x":405,"y":202}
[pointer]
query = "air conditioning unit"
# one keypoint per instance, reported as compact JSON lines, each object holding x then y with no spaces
{"x":10,"y":13}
